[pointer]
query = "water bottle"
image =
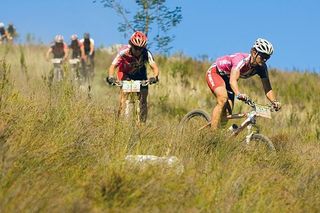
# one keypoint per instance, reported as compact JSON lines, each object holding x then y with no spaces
{"x":233,"y":127}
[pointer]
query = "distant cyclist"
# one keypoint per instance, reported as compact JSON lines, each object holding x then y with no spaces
{"x":12,"y":31}
{"x":4,"y":35}
{"x":89,"y":49}
{"x":58,"y":48}
{"x":76,"y":47}
{"x":223,"y":75}
{"x":131,"y":63}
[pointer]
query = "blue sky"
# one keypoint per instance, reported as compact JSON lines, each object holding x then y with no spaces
{"x":209,"y":27}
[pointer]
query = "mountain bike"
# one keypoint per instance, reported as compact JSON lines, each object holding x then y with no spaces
{"x":86,"y":74}
{"x":57,"y":69}
{"x":75,"y":68}
{"x":87,"y":69}
{"x":131,"y":90}
{"x":198,"y":120}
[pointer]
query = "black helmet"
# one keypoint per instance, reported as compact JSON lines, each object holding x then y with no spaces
{"x":86,"y":35}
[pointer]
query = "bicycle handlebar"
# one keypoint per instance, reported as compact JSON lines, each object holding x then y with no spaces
{"x":250,"y":103}
{"x":56,"y":60}
{"x":253,"y":104}
{"x":142,"y":83}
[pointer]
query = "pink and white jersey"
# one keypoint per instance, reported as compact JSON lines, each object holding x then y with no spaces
{"x":239,"y":61}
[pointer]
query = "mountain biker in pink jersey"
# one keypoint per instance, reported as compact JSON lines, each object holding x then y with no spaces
{"x":131,"y":63}
{"x":222,"y":77}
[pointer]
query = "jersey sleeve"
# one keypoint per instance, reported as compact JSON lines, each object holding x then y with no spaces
{"x":238,"y":61}
{"x":150,"y":58}
{"x":263,"y":71}
{"x":80,"y":44}
{"x":116,"y":60}
{"x":65,"y":46}
{"x":123,"y":51}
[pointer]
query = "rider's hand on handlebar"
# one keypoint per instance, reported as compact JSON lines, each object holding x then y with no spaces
{"x":153,"y":80}
{"x":243,"y":97}
{"x":276,"y":105}
{"x":111,"y":80}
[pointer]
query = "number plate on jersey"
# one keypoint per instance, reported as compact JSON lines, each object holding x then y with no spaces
{"x":131,"y":86}
{"x":263,"y":111}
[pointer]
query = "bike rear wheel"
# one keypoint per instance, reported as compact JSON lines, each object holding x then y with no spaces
{"x":195,"y":120}
{"x":260,"y":142}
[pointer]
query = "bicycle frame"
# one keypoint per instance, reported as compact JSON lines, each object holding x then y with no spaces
{"x":87,"y":69}
{"x":203,"y":120}
{"x":258,"y":111}
{"x":75,"y":66}
{"x":131,"y":89}
{"x":57,"y":69}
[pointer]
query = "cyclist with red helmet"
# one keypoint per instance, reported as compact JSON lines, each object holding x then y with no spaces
{"x":222,"y":77}
{"x":131,"y":63}
{"x":58,"y":48}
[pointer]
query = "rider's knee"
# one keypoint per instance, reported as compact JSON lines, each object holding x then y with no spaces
{"x":222,"y":100}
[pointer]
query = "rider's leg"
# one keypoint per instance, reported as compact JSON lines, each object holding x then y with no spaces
{"x":228,"y":107}
{"x":143,"y":95}
{"x":92,"y":61}
{"x":218,"y":113}
{"x":122,"y":103}
{"x":227,"y":110}
{"x":218,"y":87}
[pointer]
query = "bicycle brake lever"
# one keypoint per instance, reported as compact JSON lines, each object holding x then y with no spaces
{"x":250,"y":103}
{"x":145,"y":83}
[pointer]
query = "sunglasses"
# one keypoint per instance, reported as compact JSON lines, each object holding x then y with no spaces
{"x":137,"y":48}
{"x":264,"y":56}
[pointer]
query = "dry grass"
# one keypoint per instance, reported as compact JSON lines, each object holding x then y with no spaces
{"x":64,"y":152}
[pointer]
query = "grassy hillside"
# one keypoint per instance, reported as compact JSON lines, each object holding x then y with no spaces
{"x":64,"y":152}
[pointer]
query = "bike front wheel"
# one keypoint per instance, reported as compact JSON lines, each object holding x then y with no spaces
{"x":260,"y":142}
{"x":194,"y":121}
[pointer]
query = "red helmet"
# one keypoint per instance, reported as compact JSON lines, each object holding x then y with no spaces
{"x":139,"y":39}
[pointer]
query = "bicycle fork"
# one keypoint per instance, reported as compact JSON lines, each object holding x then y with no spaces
{"x":58,"y":74}
{"x":250,"y":133}
{"x":132,"y":108}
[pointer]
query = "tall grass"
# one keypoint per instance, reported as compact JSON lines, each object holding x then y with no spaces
{"x":64,"y":152}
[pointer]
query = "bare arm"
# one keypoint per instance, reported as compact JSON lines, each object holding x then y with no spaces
{"x":234,"y":76}
{"x":91,"y":48}
{"x":82,"y":53}
{"x":48,"y":53}
{"x":112,"y":70}
{"x":66,"y":53}
{"x":83,"y":56}
{"x":155,"y":69}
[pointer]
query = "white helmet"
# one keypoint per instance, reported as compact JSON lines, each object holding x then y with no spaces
{"x":58,"y":38}
{"x":263,"y":46}
{"x":74,"y":37}
{"x":1,"y":24}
